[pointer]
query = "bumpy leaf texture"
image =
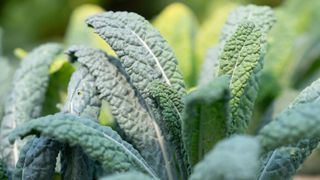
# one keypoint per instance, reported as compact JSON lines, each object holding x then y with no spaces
{"x":291,"y":126}
{"x":82,"y":100}
{"x":204,"y":118}
{"x":243,"y":43}
{"x":27,"y":96}
{"x":127,"y":106}
{"x":171,"y":106}
{"x":83,"y":97}
{"x":145,"y":55}
{"x":100,"y":143}
{"x":234,"y":158}
{"x":283,"y":162}
{"x":37,"y":159}
{"x":17,"y":174}
{"x":241,"y":59}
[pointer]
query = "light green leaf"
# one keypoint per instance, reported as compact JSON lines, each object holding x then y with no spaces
{"x":178,"y":25}
{"x":204,"y":118}
{"x":234,"y":158}
{"x":128,"y":107}
{"x":26,"y":98}
{"x":145,"y":55}
{"x":243,"y":44}
{"x":241,"y":58}
{"x":104,"y":146}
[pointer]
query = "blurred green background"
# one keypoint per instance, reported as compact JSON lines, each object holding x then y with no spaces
{"x":292,"y":60}
{"x":30,"y":22}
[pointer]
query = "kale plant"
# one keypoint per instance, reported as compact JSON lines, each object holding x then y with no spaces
{"x":162,"y":131}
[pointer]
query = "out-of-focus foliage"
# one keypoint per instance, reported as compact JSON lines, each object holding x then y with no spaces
{"x":210,"y":28}
{"x":179,"y":26}
{"x":32,"y":21}
{"x":60,"y":73}
{"x":76,"y":33}
{"x":192,"y":28}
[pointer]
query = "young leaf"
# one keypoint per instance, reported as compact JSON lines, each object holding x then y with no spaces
{"x":291,"y":126}
{"x":234,"y":158}
{"x":241,"y":58}
{"x":204,"y":118}
{"x":170,"y":104}
{"x":243,"y":42}
{"x":127,"y":176}
{"x":105,"y":146}
{"x":128,"y":108}
{"x":145,"y":55}
{"x":27,"y":96}
{"x":178,"y":25}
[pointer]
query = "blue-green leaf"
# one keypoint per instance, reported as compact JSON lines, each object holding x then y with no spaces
{"x":234,"y":158}
{"x":284,"y":161}
{"x":26,"y":98}
{"x":145,"y":55}
{"x":130,"y":110}
{"x":38,"y":160}
{"x":104,"y":146}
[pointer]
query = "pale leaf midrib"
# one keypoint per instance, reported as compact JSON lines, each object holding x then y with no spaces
{"x":154,"y":57}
